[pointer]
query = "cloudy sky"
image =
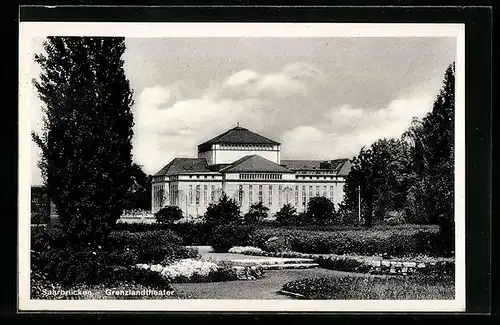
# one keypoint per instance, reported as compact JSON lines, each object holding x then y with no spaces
{"x":322,"y":98}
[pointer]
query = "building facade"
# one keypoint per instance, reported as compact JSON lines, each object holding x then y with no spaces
{"x":248,"y":168}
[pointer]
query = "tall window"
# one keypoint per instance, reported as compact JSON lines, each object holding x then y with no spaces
{"x":324,"y":191}
{"x":198,"y":194}
{"x":213,"y":193}
{"x":331,"y":193}
{"x":317,"y":190}
{"x":304,"y":195}
{"x":260,"y":193}
{"x":270,"y":195}
{"x":205,"y":190}
{"x":280,"y":196}
{"x":190,"y":194}
{"x":310,"y":192}
{"x":240,"y":194}
{"x":250,"y":195}
{"x":296,"y":195}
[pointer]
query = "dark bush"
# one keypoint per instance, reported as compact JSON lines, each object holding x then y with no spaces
{"x":321,"y":210}
{"x":256,"y":214}
{"x":150,"y":246}
{"x":338,"y":242}
{"x":45,"y":238}
{"x":193,"y":233}
{"x":225,"y":211}
{"x":70,"y":267}
{"x":343,"y":264}
{"x":224,"y":237}
{"x":287,"y":215}
{"x":168,"y":215}
{"x":39,"y":218}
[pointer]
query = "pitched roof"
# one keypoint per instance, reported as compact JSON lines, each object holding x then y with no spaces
{"x":184,"y":165}
{"x":237,"y":135}
{"x":335,"y":164}
{"x":254,"y":163}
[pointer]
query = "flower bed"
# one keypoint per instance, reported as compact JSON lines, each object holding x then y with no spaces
{"x":195,"y":270}
{"x":249,"y":250}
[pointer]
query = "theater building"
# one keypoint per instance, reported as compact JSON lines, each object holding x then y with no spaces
{"x":248,"y":168}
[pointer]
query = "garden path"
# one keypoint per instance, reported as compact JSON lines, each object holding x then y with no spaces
{"x":264,"y":288}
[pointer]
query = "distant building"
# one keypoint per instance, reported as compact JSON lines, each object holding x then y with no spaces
{"x":248,"y":168}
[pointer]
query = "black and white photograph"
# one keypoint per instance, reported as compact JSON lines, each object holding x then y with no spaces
{"x":241,"y":166}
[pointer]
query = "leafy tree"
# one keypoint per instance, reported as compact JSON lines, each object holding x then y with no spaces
{"x":257,"y":213}
{"x":320,"y":210}
{"x":378,"y":174}
{"x":225,"y":211}
{"x":168,"y":214}
{"x":86,"y":139}
{"x":287,"y":215}
{"x":432,"y":143}
{"x":139,"y":193}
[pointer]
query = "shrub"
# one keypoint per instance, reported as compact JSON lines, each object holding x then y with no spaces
{"x":342,"y":264}
{"x":46,"y":238}
{"x":225,"y":211}
{"x":320,"y":210}
{"x":151,"y":246}
{"x":378,"y":288}
{"x":395,"y":218}
{"x":226,"y":236}
{"x":256,"y":214}
{"x":393,"y":242}
{"x":168,"y":214}
{"x":287,"y":215}
{"x":39,"y":218}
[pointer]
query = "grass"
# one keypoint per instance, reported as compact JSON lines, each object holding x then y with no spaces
{"x":374,"y":288}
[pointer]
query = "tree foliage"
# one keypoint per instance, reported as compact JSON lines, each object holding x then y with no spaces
{"x":413,"y":174}
{"x":168,"y":214}
{"x":287,"y":215}
{"x":138,"y":196}
{"x":320,"y":210}
{"x":86,"y":145}
{"x":224,"y":211}
{"x":257,"y":212}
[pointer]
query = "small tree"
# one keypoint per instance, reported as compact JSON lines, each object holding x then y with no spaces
{"x":320,"y":210}
{"x":256,"y":214}
{"x":225,"y":211}
{"x":287,"y":215}
{"x":168,"y":215}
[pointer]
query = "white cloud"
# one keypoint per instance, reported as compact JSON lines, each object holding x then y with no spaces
{"x":348,"y":129}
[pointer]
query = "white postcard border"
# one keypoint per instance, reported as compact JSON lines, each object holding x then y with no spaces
{"x":28,"y":30}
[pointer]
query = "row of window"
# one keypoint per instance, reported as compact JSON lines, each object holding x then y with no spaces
{"x":248,"y":147}
{"x":286,"y":193}
{"x":201,"y":176}
{"x":202,"y":192}
{"x":261,"y":176}
{"x":315,"y":177}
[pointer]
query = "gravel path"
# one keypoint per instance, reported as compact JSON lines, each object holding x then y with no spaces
{"x":265,"y":288}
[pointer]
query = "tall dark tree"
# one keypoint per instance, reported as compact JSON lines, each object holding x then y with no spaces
{"x":433,"y":141}
{"x":86,"y":140}
{"x":139,"y":193}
